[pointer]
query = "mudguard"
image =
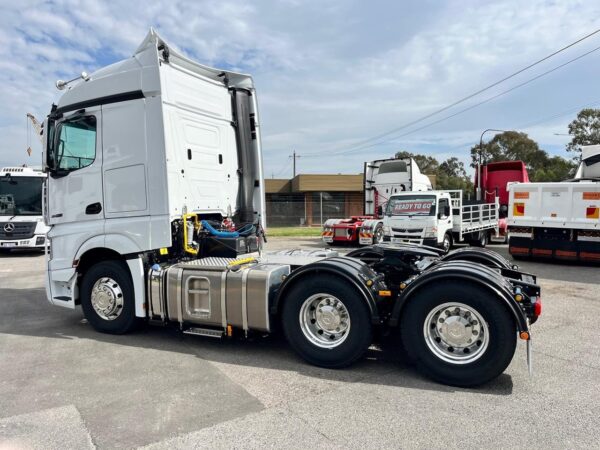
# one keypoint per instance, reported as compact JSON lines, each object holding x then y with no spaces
{"x":468,"y":271}
{"x":352,"y":270}
{"x":480,"y":255}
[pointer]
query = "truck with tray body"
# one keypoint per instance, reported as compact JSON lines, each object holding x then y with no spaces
{"x":438,"y":219}
{"x":558,"y":220}
{"x":382,"y":178}
{"x":21,"y":220}
{"x":151,"y":160}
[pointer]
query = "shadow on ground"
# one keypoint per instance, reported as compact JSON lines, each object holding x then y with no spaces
{"x":27,"y":313}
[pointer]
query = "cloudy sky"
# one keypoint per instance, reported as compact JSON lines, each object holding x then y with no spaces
{"x":330,"y":75}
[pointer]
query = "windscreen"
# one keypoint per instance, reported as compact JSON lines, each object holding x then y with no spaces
{"x":21,"y":196}
{"x":411,"y":205}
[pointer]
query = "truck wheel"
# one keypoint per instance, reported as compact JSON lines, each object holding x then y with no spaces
{"x":378,"y":234}
{"x":107,"y":298}
{"x":326,"y":322}
{"x":458,"y":333}
{"x":481,"y":240}
{"x":447,"y":243}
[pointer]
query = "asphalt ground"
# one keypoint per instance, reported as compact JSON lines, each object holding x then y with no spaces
{"x":62,"y":385}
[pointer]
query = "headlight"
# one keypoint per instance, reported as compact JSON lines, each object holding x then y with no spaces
{"x":431,"y":232}
{"x":387,"y":229}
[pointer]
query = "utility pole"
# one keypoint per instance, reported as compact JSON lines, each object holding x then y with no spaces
{"x":294,"y":156}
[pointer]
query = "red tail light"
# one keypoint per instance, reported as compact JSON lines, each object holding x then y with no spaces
{"x":537,"y":307}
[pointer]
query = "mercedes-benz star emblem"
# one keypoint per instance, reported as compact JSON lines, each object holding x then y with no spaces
{"x":9,"y":227}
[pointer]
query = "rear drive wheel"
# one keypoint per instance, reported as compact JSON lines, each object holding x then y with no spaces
{"x":107,"y":298}
{"x":326,"y":321}
{"x":458,"y":334}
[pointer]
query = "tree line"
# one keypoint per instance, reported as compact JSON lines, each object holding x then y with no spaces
{"x":513,"y":146}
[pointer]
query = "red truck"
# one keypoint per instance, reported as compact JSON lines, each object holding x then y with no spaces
{"x":382,"y":178}
{"x":494,"y":179}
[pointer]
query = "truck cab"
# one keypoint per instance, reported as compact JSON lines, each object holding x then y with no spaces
{"x":419,"y":218}
{"x":439,"y":219}
{"x":21,"y":220}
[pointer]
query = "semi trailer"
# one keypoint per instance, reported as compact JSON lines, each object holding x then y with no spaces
{"x":382,"y":178}
{"x":150,"y":162}
{"x":438,"y":219}
{"x":558,"y":220}
{"x":21,"y":220}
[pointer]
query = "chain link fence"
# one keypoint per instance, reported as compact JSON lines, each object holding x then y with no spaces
{"x":312,"y":209}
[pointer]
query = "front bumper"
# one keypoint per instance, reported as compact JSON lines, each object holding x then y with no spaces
{"x":38,"y":241}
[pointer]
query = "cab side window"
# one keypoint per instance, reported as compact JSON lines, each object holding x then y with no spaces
{"x":442,"y":208}
{"x":76,"y":143}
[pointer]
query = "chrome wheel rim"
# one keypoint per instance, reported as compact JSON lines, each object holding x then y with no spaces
{"x":107,"y":298}
{"x":456,"y":333}
{"x":324,"y":320}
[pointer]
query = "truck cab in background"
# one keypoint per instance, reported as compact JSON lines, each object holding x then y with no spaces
{"x":495,"y":177}
{"x":382,"y":179}
{"x":21,"y":220}
{"x":438,"y":219}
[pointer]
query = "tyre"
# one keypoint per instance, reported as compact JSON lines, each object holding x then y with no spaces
{"x":447,"y":243}
{"x":378,"y":234}
{"x":107,"y":298}
{"x":326,"y":321}
{"x":458,"y":333}
{"x":481,"y":240}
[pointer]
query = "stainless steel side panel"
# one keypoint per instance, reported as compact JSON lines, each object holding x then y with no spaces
{"x":156,"y":295}
{"x":249,"y":292}
{"x":173,"y":290}
{"x":201,"y":299}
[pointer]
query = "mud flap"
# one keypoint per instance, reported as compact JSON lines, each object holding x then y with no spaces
{"x":530,"y":356}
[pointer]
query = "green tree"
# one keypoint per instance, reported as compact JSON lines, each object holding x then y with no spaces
{"x":427,"y":164}
{"x":450,"y":174}
{"x":585,"y":130}
{"x":516,"y":146}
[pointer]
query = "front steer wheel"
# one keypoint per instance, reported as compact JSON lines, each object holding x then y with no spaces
{"x":107,"y":298}
{"x":458,"y":333}
{"x":326,"y":321}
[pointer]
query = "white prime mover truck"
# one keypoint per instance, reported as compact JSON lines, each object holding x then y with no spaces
{"x":558,"y":220}
{"x":152,"y":158}
{"x":21,"y":221}
{"x":382,"y":179}
{"x":438,"y":219}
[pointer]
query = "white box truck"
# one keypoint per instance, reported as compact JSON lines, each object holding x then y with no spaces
{"x":156,"y":204}
{"x":558,"y":220}
{"x":21,"y":221}
{"x":438,"y":219}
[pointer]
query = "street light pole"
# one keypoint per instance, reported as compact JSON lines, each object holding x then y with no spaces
{"x":478,"y":192}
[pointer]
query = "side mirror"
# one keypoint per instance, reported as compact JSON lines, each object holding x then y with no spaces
{"x":447,"y":211}
{"x":379,"y":211}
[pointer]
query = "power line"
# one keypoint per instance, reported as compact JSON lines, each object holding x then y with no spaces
{"x":356,"y":149}
{"x":468,"y":97}
{"x":284,"y":168}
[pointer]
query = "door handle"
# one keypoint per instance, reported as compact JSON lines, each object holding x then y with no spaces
{"x":94,"y":208}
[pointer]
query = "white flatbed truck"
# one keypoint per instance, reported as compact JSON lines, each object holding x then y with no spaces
{"x":151,"y":160}
{"x":438,"y":219}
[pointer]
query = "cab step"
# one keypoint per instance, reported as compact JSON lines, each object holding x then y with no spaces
{"x":209,"y":332}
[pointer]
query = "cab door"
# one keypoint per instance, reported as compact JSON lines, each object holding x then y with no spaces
{"x":75,"y":178}
{"x":444,"y":218}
